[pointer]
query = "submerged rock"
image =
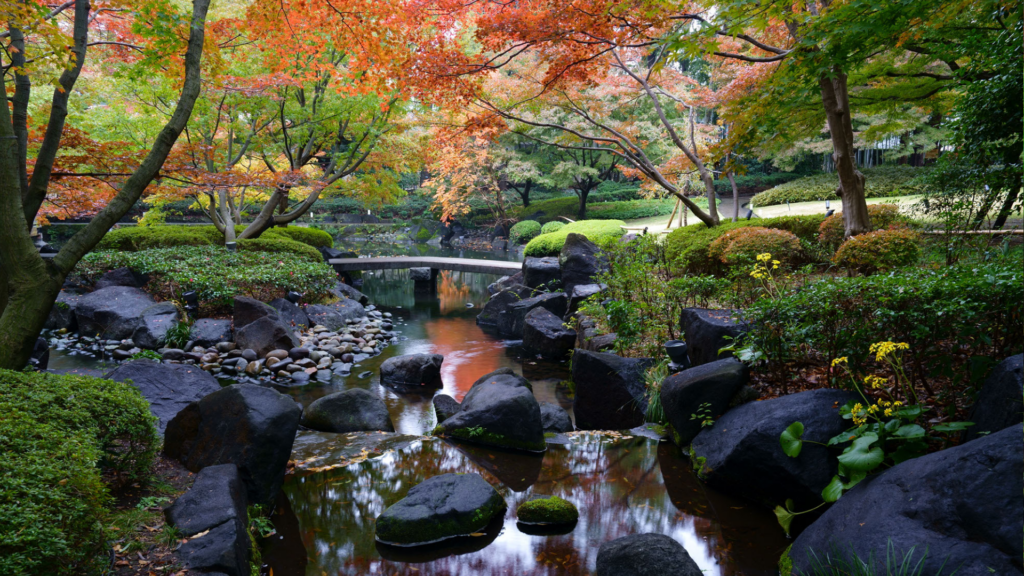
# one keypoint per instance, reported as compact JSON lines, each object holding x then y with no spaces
{"x":353,"y":410}
{"x":442,"y":507}
{"x":645,"y":555}
{"x":547,"y":510}
{"x":610,"y":390}
{"x":412,"y":370}
{"x":554,"y":418}
{"x":499,"y":303}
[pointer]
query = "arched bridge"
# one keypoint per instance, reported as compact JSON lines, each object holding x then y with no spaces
{"x":435,"y":263}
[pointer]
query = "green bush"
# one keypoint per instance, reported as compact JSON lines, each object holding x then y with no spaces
{"x":630,"y":210}
{"x":309,"y":236}
{"x":880,"y":182}
{"x":595,"y":230}
{"x":278,"y":245}
{"x":137,"y":238}
{"x":217,"y":274}
{"x":879,"y":250}
{"x":740,"y":246}
{"x":551,"y":227}
{"x":523,"y":232}
{"x":832,"y":230}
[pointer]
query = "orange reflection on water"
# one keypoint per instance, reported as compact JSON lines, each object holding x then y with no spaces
{"x":451,"y":292}
{"x":468,"y":353}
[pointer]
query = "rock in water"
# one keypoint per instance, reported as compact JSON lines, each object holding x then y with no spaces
{"x":1001,"y":401}
{"x":215,"y":504}
{"x":708,"y":331}
{"x":265,"y":335}
{"x":512,"y":321}
{"x":335,"y":316}
{"x":610,"y":390}
{"x":167,"y":387}
{"x":290,"y":314}
{"x":495,"y":413}
{"x":581,"y":261}
{"x":445,"y":407}
{"x":546,"y":335}
{"x":542,"y":272}
{"x":208,"y":332}
{"x":962,"y":506}
{"x":683,"y":394}
{"x":412,"y":370}
{"x":62,"y":315}
{"x":741,"y":453}
{"x":154,"y":323}
{"x":645,"y":555}
{"x":113,"y":313}
{"x":249,"y":310}
{"x":243,"y":424}
{"x":442,"y":507}
{"x":353,"y":410}
{"x":504,"y":376}
{"x":547,"y":510}
{"x":554,"y":418}
{"x":500,"y":302}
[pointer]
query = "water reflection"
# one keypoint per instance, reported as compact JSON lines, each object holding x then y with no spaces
{"x":621,"y":487}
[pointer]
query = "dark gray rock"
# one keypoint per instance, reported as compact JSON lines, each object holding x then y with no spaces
{"x":266,"y":334}
{"x":353,"y":410}
{"x":546,"y":335}
{"x":708,"y":331}
{"x":497,"y":414}
{"x":154,"y":323}
{"x":217,"y":496}
{"x":218,"y":550}
{"x":298,"y":353}
{"x":512,"y":321}
{"x":335,"y":316}
{"x":290,"y":313}
{"x":62,"y":315}
{"x":445,"y":407}
{"x":331,"y":253}
{"x":580,"y":294}
{"x":1001,"y":401}
{"x":505,"y":282}
{"x":554,"y":418}
{"x":610,"y":390}
{"x":342,"y":290}
{"x":412,"y":370}
{"x":741,"y":453}
{"x":542,"y":272}
{"x":40,"y":357}
{"x":683,"y":394}
{"x":113,"y":313}
{"x":645,"y":555}
{"x":123,"y":276}
{"x":581,"y":261}
{"x":208,"y":332}
{"x":499,"y":303}
{"x":250,"y":426}
{"x":963,"y":506}
{"x":439,"y":508}
{"x":505,"y":377}
{"x":420,"y":274}
{"x":588,"y":337}
{"x":168,"y":388}
{"x":249,"y":310}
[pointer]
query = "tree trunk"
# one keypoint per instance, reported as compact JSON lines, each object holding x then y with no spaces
{"x":735,"y":196}
{"x":225,"y":216}
{"x":836,"y":100}
{"x":582,"y":192}
{"x":525,"y":194}
{"x":1011,"y":197}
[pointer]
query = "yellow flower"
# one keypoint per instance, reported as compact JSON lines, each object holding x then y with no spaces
{"x":897,"y":403}
{"x":875,"y":382}
{"x":838,"y":361}
{"x":888,"y":411}
{"x":764,"y":257}
{"x":883,"y":349}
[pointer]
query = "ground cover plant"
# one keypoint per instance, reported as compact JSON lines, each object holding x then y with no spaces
{"x":297,"y":240}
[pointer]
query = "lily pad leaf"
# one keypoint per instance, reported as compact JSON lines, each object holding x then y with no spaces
{"x":792,"y":439}
{"x":834,"y":490}
{"x":860,"y":456}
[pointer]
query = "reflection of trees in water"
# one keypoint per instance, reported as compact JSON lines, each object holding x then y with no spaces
{"x":452,"y":291}
{"x":616,"y":484}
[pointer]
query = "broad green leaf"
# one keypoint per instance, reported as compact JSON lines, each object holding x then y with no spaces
{"x":834,"y":490}
{"x":860,"y":456}
{"x":785,"y":518}
{"x":909,"y":450}
{"x":842,"y":438}
{"x":952,"y":426}
{"x":909,"y":412}
{"x":909,"y":431}
{"x":792,"y":439}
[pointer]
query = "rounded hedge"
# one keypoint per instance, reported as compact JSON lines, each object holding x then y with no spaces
{"x":524,"y":231}
{"x":552,"y":227}
{"x":279,"y":245}
{"x":879,"y":182}
{"x":297,"y":240}
{"x":742,"y":245}
{"x":832,"y":231}
{"x":879,"y":250}
{"x":595,"y":230}
{"x":308,"y":236}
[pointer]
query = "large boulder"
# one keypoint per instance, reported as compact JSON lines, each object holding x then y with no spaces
{"x":62,"y":315}
{"x":542,"y":272}
{"x":112,"y":312}
{"x":581,"y":293}
{"x":505,"y":282}
{"x":168,"y":388}
{"x":741,"y":453}
{"x":290,"y":313}
{"x":441,"y":507}
{"x":610,"y":390}
{"x":708,"y":331}
{"x":247,"y":425}
{"x":962,"y":507}
{"x":513,"y":319}
{"x":581,"y":261}
{"x":1001,"y":401}
{"x":645,"y":555}
{"x":498,"y":412}
{"x":546,"y":335}
{"x":343,"y":291}
{"x":337,"y":315}
{"x":212,"y":516}
{"x":499,"y":303}
{"x":207,"y":332}
{"x":684,"y":393}
{"x":353,"y":410}
{"x":554,"y":418}
{"x":505,"y":376}
{"x":154,"y":323}
{"x":123,"y":276}
{"x":412,"y":370}
{"x":266,"y":334}
{"x":445,"y":407}
{"x":248,"y":310}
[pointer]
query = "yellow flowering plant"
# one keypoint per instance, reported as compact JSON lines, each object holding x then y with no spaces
{"x":764,"y":272}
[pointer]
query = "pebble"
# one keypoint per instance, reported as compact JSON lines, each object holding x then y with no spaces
{"x":277,"y":354}
{"x":249,"y":354}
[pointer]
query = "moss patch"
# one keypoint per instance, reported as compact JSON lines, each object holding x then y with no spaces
{"x":550,"y":510}
{"x":595,"y":230}
{"x":786,"y":562}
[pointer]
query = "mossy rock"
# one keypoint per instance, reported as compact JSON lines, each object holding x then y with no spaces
{"x":547,"y":510}
{"x":439,"y":508}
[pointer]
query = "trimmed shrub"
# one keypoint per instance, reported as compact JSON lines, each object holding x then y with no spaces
{"x":595,"y":230}
{"x":523,"y":232}
{"x":309,"y":236}
{"x":832,"y":231}
{"x":879,"y":250}
{"x":552,"y":227}
{"x":137,"y":238}
{"x":278,"y":245}
{"x":741,"y":246}
{"x":880,"y":182}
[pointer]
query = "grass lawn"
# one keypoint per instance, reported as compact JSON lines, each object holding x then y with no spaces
{"x":818,"y":207}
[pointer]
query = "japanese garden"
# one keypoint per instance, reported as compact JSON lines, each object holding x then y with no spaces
{"x":439,"y":287}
